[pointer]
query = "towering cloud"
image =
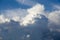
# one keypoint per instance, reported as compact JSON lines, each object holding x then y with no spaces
{"x":34,"y":12}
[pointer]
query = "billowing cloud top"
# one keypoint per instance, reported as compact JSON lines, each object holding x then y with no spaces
{"x":33,"y":12}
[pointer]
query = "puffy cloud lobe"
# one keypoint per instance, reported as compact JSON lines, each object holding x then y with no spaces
{"x":54,"y":21}
{"x":34,"y":12}
{"x":3,"y":19}
{"x":54,"y":17}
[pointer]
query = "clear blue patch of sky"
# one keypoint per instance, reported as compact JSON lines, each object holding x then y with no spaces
{"x":12,"y":4}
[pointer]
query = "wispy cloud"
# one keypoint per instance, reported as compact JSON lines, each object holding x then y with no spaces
{"x":57,"y":7}
{"x":26,"y":2}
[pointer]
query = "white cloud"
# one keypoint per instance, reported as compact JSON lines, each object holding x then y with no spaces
{"x":15,"y":14}
{"x":16,"y":18}
{"x":33,"y":13}
{"x":28,"y":36}
{"x":3,"y":19}
{"x":54,"y":17}
{"x":24,"y":16}
{"x":54,"y":21}
{"x":26,"y":2}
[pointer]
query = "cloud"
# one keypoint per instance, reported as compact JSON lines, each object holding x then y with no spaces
{"x":54,"y":17}
{"x":34,"y":12}
{"x":23,"y":16}
{"x":54,"y":21}
{"x":3,"y":19}
{"x":14,"y":14}
{"x":26,"y":16}
{"x":26,"y":2}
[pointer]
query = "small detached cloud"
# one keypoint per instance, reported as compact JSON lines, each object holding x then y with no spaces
{"x":3,"y":19}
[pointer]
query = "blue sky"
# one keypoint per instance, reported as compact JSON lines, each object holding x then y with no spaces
{"x":13,"y":4}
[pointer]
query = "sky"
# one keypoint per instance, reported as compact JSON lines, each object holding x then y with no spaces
{"x":24,"y":15}
{"x":14,"y":4}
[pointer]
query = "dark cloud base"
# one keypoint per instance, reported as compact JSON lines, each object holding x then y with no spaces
{"x":37,"y":31}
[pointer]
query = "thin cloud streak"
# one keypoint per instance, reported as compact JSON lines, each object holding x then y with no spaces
{"x":26,"y":2}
